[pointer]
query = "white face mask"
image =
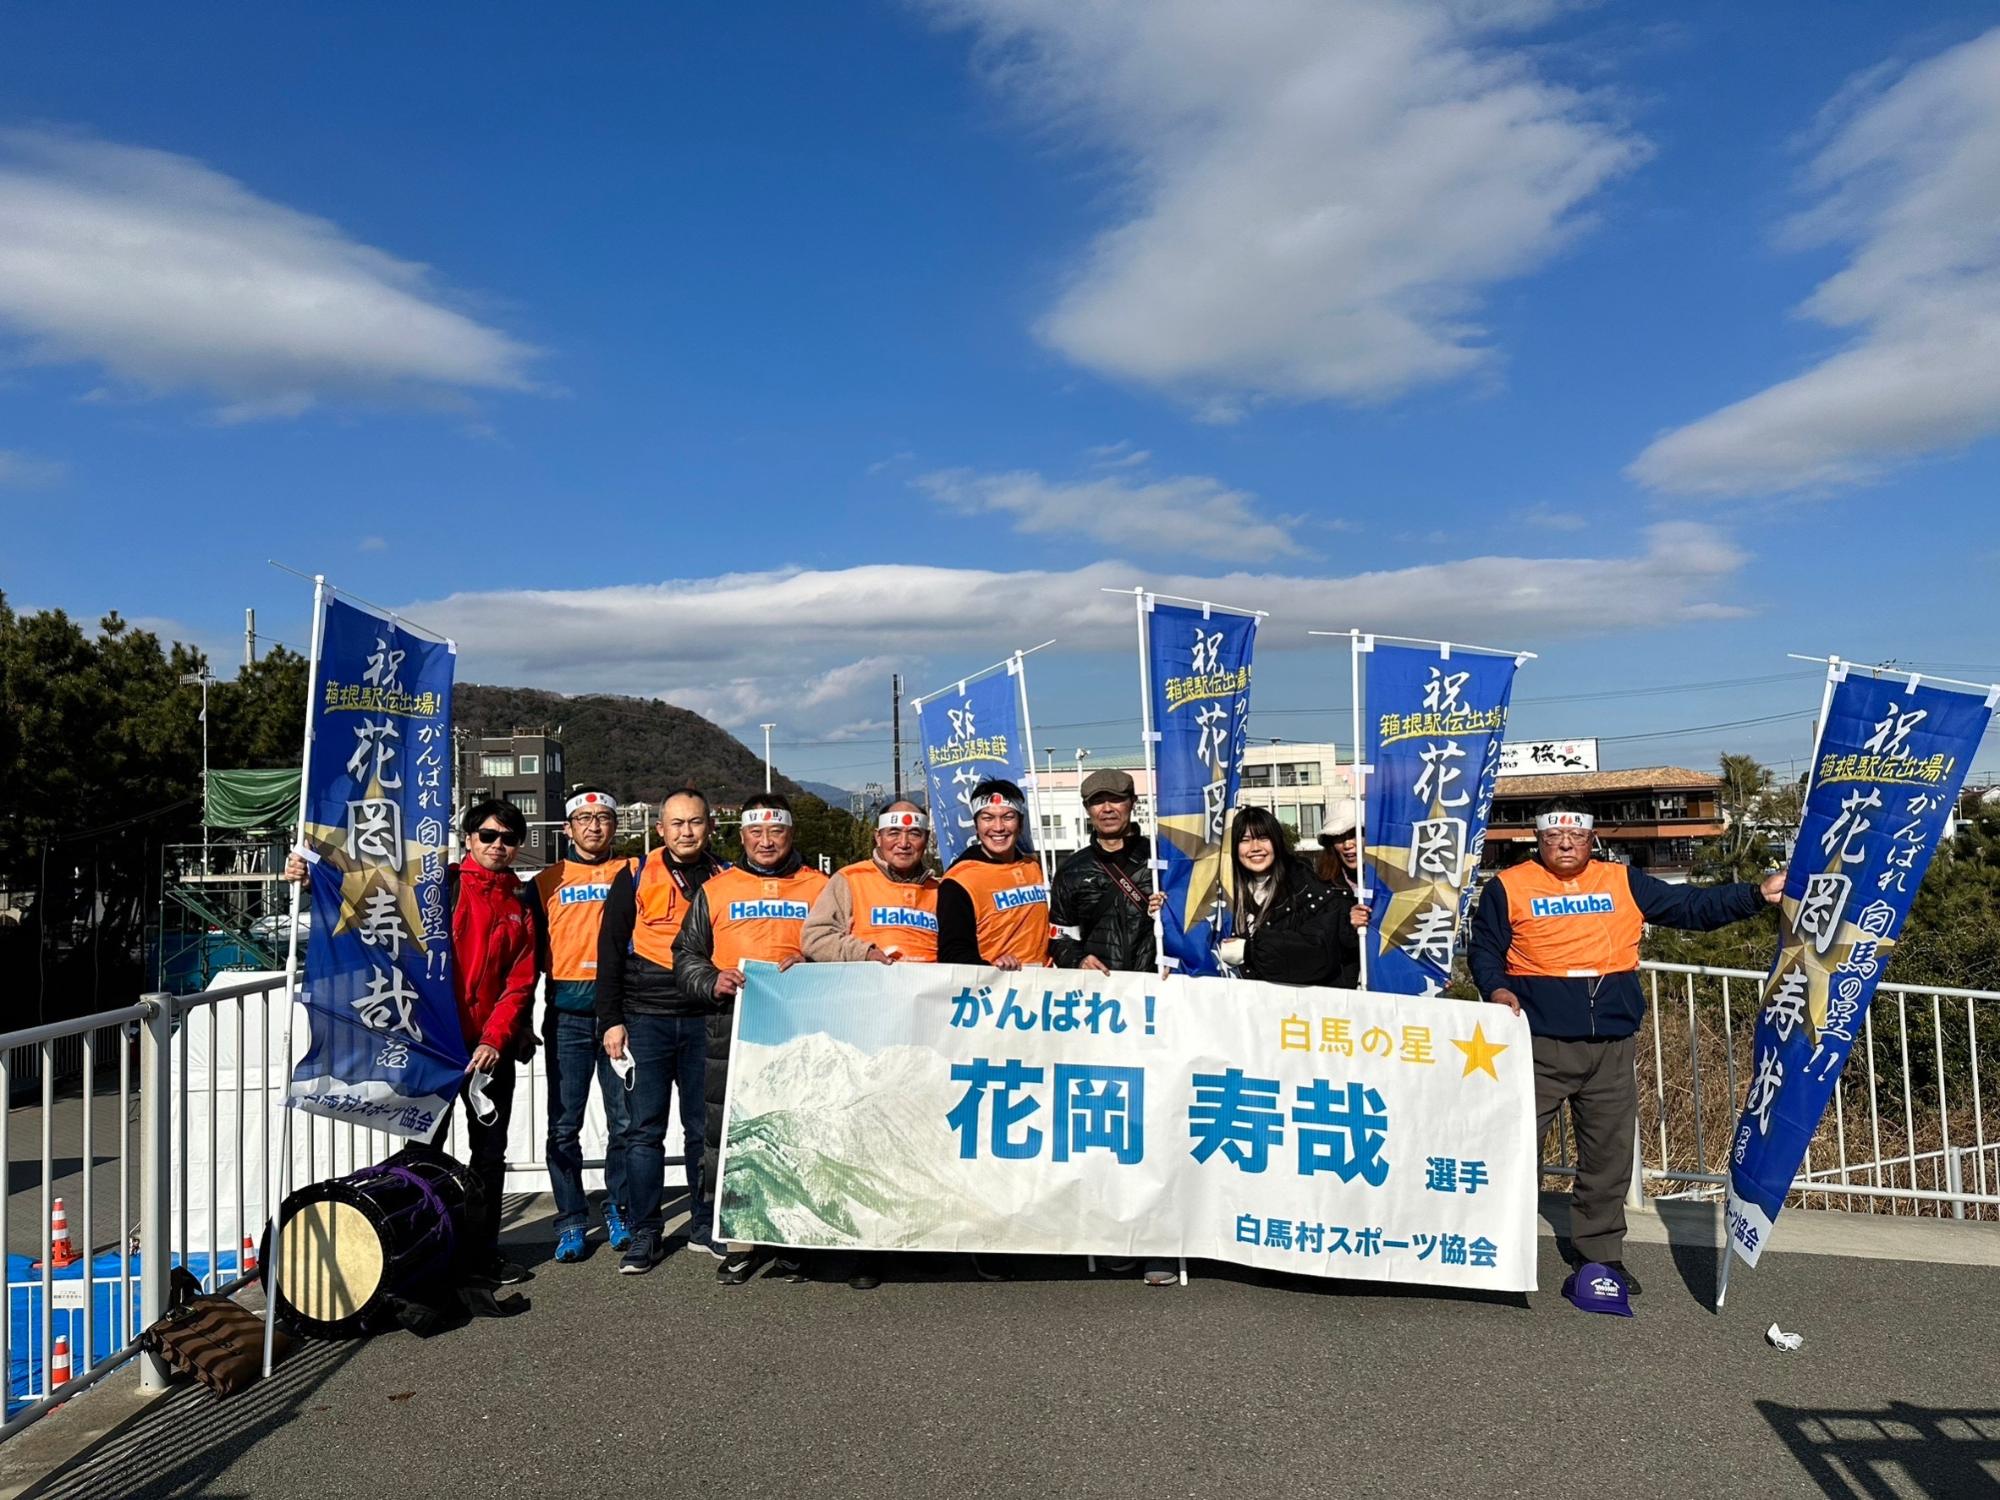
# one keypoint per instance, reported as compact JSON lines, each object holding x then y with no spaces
{"x":483,"y":1108}
{"x":625,"y":1068}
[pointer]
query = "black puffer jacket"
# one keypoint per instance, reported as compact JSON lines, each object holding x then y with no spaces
{"x":1094,"y":918}
{"x":695,"y":971}
{"x":1307,"y":936}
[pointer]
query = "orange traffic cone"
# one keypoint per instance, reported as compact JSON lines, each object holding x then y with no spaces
{"x":249,"y":1259}
{"x":61,"y":1252}
{"x":59,"y":1363}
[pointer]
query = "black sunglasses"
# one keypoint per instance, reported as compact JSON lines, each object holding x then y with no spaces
{"x":498,"y":836}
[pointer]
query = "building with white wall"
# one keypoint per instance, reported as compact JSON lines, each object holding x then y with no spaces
{"x":1295,"y":781}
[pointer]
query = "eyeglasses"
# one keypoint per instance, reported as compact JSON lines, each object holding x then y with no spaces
{"x":1567,"y":836}
{"x":596,"y":820}
{"x":498,"y":836}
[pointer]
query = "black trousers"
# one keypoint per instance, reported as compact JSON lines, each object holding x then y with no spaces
{"x":487,"y":1151}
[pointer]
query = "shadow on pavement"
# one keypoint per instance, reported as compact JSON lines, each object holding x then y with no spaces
{"x":1945,"y":1454}
{"x":183,"y":1440}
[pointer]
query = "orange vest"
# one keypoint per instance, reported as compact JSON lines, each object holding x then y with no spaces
{"x":572,"y":895}
{"x":760,"y":916}
{"x":1572,"y":928}
{"x":894,"y":915}
{"x":661,"y":908}
{"x":1010,"y":903}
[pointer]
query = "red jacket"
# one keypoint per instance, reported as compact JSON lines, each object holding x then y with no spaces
{"x":492,"y":958}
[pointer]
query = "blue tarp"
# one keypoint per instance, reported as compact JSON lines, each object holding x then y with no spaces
{"x":108,"y":1333}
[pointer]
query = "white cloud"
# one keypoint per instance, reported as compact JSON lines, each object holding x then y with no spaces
{"x":1314,"y":192}
{"x":26,"y":472}
{"x":1118,"y":455}
{"x":1909,"y":174}
{"x":373,"y":544}
{"x":1189,"y":515}
{"x":1545,"y":517}
{"x":814,"y":648}
{"x":174,"y":277}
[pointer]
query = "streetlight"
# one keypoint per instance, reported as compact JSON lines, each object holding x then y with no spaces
{"x":767,"y":728}
{"x":1081,"y":757}
{"x":203,"y":680}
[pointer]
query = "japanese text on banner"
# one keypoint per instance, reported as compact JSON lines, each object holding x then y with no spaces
{"x":1886,"y":774}
{"x":952,"y":1108}
{"x":1434,"y":730}
{"x":386,"y":1047}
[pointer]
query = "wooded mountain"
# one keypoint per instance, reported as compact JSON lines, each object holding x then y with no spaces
{"x":636,"y":748}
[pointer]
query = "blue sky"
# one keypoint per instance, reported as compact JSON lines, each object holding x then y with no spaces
{"x":743,"y":355}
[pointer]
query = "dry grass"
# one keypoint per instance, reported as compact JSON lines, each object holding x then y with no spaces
{"x":1689,"y":1098}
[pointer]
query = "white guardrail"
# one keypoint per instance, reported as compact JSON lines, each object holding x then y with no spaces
{"x":1908,"y":1129}
{"x":186,"y":1152}
{"x":191,"y":1135}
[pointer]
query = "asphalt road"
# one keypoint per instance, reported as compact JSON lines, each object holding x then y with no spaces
{"x":1240,"y":1385}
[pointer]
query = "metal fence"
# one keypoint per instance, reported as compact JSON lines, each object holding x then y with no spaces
{"x":191,"y":1135}
{"x":1914,"y":1127}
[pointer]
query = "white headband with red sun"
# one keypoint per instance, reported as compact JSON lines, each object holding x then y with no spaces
{"x":1548,"y":822}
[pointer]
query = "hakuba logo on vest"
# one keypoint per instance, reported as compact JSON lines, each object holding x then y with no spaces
{"x":1019,"y":896}
{"x":575,"y":895}
{"x":1596,"y":904}
{"x":902,"y":916}
{"x":767,"y":910}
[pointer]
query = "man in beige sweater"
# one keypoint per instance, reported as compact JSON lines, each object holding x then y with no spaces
{"x":881,"y":910}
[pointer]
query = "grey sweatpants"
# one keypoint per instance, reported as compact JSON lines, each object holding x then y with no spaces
{"x":1596,"y":1078}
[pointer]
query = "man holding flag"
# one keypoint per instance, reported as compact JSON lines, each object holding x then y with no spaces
{"x":1556,"y":938}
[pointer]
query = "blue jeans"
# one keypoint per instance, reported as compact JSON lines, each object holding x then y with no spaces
{"x":670,"y":1053}
{"x":573,"y":1055}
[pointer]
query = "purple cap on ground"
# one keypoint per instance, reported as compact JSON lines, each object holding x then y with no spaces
{"x":1599,"y":1289}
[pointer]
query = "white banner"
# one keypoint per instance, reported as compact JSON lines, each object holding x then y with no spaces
{"x":1326,"y":1132}
{"x":1547,"y":757}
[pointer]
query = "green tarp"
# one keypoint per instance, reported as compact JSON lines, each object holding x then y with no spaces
{"x":252,"y":799}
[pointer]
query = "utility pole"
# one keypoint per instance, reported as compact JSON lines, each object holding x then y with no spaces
{"x":249,"y":637}
{"x":896,"y":725}
{"x":203,"y":679}
{"x":457,"y":792}
{"x":767,"y":728}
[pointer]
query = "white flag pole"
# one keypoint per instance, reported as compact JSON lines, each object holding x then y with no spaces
{"x":1019,"y":669}
{"x":1836,"y":672}
{"x":1357,"y":647}
{"x":1143,"y":603}
{"x":277,"y":1212}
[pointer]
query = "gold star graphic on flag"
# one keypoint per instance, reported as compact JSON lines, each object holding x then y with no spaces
{"x":1213,"y":871}
{"x":1410,"y":893}
{"x":1479,"y":1053}
{"x":359,"y":880}
{"x":1796,"y":953}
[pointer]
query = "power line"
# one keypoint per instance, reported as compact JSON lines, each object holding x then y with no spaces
{"x":1663,"y":734}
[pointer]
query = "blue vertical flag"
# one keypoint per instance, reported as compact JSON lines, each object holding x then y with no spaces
{"x":1434,"y":727}
{"x":386,"y":1048}
{"x":971,"y":733}
{"x":1198,"y":665}
{"x":1891,"y":758}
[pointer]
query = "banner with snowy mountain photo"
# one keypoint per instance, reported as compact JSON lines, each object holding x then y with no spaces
{"x":1326,"y":1132}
